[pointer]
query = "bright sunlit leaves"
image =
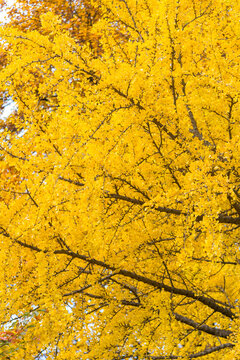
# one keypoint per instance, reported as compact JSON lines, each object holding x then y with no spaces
{"x":119,"y":180}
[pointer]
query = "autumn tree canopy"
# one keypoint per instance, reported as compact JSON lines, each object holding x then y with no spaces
{"x":120,"y":180}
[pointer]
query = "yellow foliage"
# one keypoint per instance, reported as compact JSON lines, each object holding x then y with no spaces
{"x":120,"y":179}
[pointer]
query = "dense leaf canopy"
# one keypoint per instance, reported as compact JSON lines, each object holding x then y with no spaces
{"x":120,"y":179}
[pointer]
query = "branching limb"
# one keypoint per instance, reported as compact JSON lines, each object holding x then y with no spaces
{"x":203,"y":327}
{"x":205,"y":352}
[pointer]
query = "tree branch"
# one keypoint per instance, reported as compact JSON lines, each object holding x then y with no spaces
{"x":209,"y":302}
{"x":205,"y":352}
{"x":77,"y":183}
{"x":224,"y":219}
{"x":203,"y":327}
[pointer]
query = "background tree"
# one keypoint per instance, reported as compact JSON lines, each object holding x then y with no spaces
{"x":123,"y":225}
{"x":25,"y":15}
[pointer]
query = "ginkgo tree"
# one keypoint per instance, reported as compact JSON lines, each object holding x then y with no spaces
{"x":121,"y":224}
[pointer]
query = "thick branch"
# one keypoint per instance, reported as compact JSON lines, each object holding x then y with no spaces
{"x":228,"y":219}
{"x":196,"y":355}
{"x":224,"y":219}
{"x":203,"y":327}
{"x":140,"y":202}
{"x":209,"y":302}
